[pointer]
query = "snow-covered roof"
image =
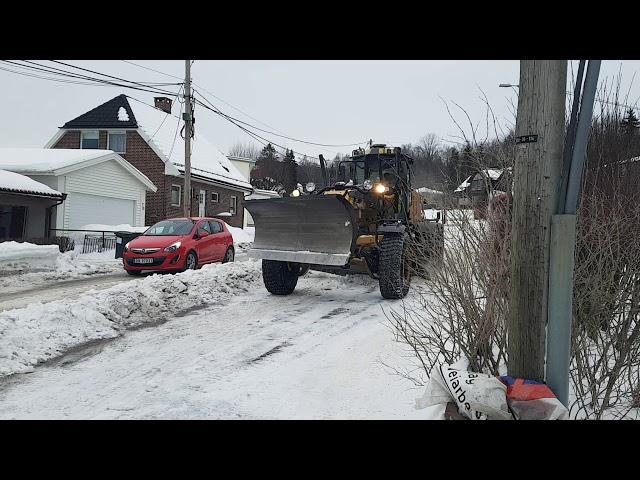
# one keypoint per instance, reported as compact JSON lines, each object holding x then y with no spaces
{"x":493,"y":173}
{"x":163,"y":130}
{"x":44,"y":160}
{"x":429,"y":190}
{"x":54,"y":161}
{"x":14,"y":182}
{"x":464,"y":184}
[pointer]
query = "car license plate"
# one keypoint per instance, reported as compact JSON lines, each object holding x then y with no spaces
{"x":143,"y":260}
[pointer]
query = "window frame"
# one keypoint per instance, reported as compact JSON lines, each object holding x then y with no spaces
{"x":217,"y":199}
{"x":83,"y":133}
{"x":117,"y":132}
{"x":233,"y":205}
{"x":179,"y":196}
{"x":219,"y":226}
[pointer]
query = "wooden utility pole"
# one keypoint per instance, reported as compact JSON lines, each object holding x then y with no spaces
{"x":188,"y":125}
{"x":540,"y":128}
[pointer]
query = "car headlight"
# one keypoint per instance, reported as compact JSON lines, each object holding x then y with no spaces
{"x":367,"y":184}
{"x":310,"y":186}
{"x":173,"y":248}
{"x":126,"y":247}
{"x":380,"y":188}
{"x":295,"y":193}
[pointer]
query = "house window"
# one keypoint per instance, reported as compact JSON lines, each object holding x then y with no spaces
{"x":12,"y":222}
{"x":176,"y":194}
{"x":233,"y":205}
{"x":90,"y":140}
{"x":118,"y":142}
{"x":214,"y":197}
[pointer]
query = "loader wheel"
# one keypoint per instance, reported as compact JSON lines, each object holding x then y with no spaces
{"x":394,"y":271}
{"x":280,"y":278}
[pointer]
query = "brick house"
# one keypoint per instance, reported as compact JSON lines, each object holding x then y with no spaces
{"x":148,"y":137}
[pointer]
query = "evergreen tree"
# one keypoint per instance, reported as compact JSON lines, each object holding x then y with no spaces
{"x":630,"y":122}
{"x":290,"y":171}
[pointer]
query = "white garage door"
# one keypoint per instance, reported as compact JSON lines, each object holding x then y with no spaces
{"x":85,"y":209}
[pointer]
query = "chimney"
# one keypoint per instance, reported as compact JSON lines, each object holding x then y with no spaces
{"x":163,"y":103}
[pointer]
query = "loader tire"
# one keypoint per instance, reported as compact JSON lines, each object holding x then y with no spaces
{"x":394,"y":272}
{"x":280,"y":278}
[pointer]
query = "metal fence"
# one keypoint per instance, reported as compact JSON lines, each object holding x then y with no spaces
{"x":92,"y":240}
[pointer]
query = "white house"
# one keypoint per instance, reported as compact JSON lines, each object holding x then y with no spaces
{"x":244,"y":166}
{"x":100,"y":186}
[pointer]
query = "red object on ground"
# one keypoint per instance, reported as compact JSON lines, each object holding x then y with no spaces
{"x":177,"y":244}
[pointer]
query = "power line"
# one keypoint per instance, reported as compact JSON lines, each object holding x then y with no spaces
{"x":65,"y":74}
{"x":103,"y":74}
{"x":152,"y":70}
{"x":288,"y":137}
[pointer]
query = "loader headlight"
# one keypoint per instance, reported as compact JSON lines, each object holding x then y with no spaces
{"x":310,"y":187}
{"x":295,"y":193}
{"x":172,"y":248}
{"x":380,"y":188}
{"x":367,"y":184}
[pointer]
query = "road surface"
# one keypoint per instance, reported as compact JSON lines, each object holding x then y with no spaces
{"x":319,"y":353}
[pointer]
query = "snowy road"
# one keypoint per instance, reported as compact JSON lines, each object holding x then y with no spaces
{"x":60,"y":289}
{"x":318,"y":353}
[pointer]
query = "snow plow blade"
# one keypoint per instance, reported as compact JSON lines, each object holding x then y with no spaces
{"x":315,"y":229}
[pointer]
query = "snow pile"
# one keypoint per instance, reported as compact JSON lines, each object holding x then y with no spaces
{"x":242,"y":237}
{"x":123,"y":227}
{"x":38,"y":333}
{"x":73,"y":264}
{"x":21,"y":256}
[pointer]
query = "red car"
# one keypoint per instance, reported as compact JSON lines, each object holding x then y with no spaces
{"x":179,"y":244}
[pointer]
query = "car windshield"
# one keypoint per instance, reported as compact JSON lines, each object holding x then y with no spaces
{"x":170,"y":227}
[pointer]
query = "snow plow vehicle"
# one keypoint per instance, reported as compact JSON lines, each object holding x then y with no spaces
{"x":367,"y":222}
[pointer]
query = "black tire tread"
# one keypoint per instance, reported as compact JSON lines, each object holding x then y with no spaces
{"x":392,"y":285}
{"x":278,"y":278}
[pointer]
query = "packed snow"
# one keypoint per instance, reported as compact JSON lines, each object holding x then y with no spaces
{"x":20,"y":183}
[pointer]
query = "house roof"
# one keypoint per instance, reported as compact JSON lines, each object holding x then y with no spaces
{"x":107,"y":115}
{"x":16,"y":183}
{"x":59,"y":161}
{"x":163,"y":133}
{"x":492,"y":173}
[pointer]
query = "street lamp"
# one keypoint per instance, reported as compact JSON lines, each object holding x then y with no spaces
{"x":507,"y":85}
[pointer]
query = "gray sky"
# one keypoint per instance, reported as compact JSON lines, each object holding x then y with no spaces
{"x":331,"y":102}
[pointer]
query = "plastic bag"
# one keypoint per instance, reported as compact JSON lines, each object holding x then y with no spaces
{"x":477,"y":395}
{"x":531,"y":400}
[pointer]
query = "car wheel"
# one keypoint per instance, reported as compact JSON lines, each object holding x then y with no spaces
{"x":191,"y":262}
{"x":229,"y":256}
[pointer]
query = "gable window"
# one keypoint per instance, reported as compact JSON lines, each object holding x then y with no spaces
{"x":89,"y":140}
{"x":214,"y":197}
{"x":117,"y":142}
{"x":233,"y":205}
{"x":176,"y":194}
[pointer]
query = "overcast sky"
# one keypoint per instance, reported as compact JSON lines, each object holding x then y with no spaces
{"x":331,"y":102}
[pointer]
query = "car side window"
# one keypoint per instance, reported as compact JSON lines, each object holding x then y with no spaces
{"x":205,"y":226}
{"x":215,"y":226}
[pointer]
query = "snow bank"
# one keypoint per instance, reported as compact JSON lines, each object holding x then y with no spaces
{"x":241,"y":237}
{"x":123,"y":227}
{"x":38,"y":333}
{"x":21,"y":256}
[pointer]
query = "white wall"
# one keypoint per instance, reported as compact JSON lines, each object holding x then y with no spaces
{"x":107,"y":179}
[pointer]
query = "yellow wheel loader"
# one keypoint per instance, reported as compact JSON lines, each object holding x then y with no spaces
{"x":367,"y":222}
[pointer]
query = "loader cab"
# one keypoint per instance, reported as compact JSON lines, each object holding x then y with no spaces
{"x":378,"y":163}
